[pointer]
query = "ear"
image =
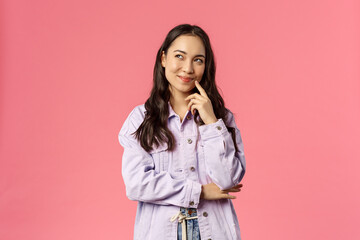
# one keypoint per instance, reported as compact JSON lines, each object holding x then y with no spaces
{"x":163,"y":60}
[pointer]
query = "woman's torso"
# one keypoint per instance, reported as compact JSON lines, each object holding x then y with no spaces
{"x":217,"y":218}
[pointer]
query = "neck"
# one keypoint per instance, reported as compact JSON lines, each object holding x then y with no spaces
{"x":178,"y":103}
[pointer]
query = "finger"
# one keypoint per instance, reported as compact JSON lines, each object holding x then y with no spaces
{"x":193,"y":108}
{"x":234,"y":190}
{"x":228,"y":196}
{"x":191,"y":96}
{"x":192,"y":101}
{"x":201,"y":90}
{"x":235,"y":187}
{"x":238,"y":186}
{"x":230,"y":190}
{"x":194,"y":95}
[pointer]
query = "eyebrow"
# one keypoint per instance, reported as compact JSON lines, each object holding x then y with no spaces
{"x":199,"y":55}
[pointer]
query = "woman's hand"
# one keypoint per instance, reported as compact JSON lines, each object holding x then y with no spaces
{"x":202,"y":104}
{"x":212,"y":192}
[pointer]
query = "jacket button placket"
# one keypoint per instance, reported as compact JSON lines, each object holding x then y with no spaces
{"x":190,"y":158}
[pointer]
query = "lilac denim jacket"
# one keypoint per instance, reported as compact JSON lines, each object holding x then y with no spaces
{"x":163,"y":181}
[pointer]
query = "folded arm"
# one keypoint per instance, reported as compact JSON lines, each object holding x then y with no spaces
{"x":224,"y":165}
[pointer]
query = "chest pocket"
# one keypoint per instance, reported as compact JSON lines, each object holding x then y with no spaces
{"x":161,"y":159}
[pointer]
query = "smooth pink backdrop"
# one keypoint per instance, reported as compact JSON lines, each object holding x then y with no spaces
{"x":72,"y":70}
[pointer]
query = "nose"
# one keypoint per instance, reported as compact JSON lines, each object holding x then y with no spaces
{"x":188,"y":67}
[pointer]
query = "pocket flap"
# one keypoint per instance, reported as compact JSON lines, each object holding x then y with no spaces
{"x":158,"y":149}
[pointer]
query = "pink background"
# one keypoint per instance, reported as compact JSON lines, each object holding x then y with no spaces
{"x":72,"y":70}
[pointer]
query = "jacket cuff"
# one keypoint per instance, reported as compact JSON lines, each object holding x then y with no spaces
{"x":213,"y":129}
{"x":192,"y":199}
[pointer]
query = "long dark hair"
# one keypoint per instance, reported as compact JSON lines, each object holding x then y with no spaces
{"x":154,"y":129}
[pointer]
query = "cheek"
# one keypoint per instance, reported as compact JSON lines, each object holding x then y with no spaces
{"x":170,"y":73}
{"x":174,"y":65}
{"x":168,"y":68}
{"x":201,"y":70}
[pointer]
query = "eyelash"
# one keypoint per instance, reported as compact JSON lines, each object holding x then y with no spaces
{"x":201,"y":61}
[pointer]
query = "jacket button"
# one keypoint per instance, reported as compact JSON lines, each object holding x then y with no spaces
{"x":218,"y":128}
{"x":192,"y":169}
{"x":191,"y":203}
{"x":189,"y":141}
{"x":188,"y":117}
{"x":205,"y":214}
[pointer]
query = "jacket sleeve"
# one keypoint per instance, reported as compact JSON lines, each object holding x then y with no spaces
{"x":224,"y":165}
{"x":141,"y":181}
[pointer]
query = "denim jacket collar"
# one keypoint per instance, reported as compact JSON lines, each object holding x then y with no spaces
{"x":171,"y":111}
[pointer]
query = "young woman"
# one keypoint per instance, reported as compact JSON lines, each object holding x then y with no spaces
{"x":183,"y":152}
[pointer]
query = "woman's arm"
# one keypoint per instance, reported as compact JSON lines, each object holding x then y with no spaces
{"x":142,"y":182}
{"x":224,"y":165}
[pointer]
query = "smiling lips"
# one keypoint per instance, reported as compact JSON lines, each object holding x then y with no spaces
{"x":185,"y":79}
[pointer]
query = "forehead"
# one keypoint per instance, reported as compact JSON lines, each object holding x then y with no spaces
{"x":190,"y":44}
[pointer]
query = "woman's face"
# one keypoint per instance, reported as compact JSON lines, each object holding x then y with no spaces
{"x":184,"y":63}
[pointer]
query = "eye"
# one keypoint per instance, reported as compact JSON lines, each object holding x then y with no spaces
{"x":178,"y":56}
{"x":200,"y":60}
